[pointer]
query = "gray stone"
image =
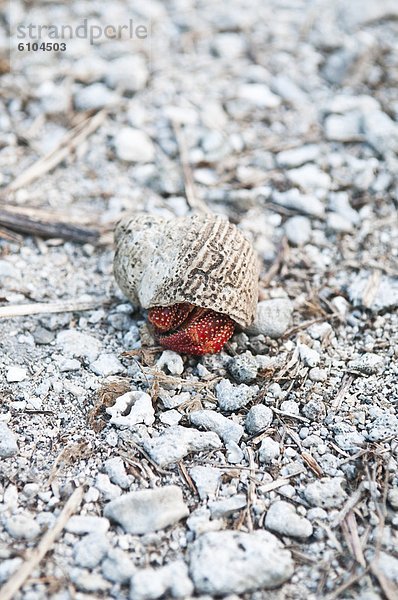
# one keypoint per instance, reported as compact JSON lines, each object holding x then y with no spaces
{"x":393,"y":497}
{"x":385,"y":292}
{"x":233,"y":397}
{"x":127,"y":73}
{"x":170,"y":417}
{"x":291,"y":407}
{"x":117,"y":566}
{"x":6,"y":269}
{"x":43,"y":336}
{"x":81,"y":524}
{"x":232,"y":562}
{"x":75,"y":343}
{"x":133,"y":145}
{"x":8,"y":567}
{"x":282,"y":518}
{"x":318,"y":375}
{"x":258,"y":419}
{"x":22,"y":527}
{"x":107,"y":364}
{"x":295,"y":157}
{"x":206,"y":479}
{"x":8,"y":442}
{"x":108,"y":490}
{"x":308,"y":356}
{"x":16,"y":374}
{"x":315,"y":408}
{"x":148,"y":510}
{"x":338,"y":223}
{"x":68,"y":364}
{"x":243,"y":367}
{"x":172,"y":361}
{"x":325,"y":493}
{"x":383,"y":427}
{"x":172,"y":579}
{"x":273,"y":317}
{"x":212,"y":421}
{"x":388,"y":565}
{"x":94,"y":96}
{"x":130,"y":409}
{"x":269,"y":450}
{"x":308,"y":205}
{"x":227,"y":506}
{"x":368,"y":364}
{"x":88,"y":582}
{"x":176,"y":442}
{"x":310,"y":178}
{"x":259,"y":95}
{"x":116,"y":472}
{"x":298,"y":230}
{"x":343,"y":128}
{"x":90,"y":550}
{"x":381,"y":132}
{"x":234,"y":454}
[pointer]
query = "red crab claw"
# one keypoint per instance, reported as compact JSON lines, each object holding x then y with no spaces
{"x":193,"y":330}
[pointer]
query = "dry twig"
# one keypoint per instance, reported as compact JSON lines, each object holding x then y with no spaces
{"x":46,"y":229}
{"x":68,"y":144}
{"x":39,"y":308}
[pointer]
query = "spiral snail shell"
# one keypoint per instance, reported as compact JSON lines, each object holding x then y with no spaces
{"x":197,"y":276}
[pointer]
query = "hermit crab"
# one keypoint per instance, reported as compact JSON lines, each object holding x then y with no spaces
{"x":196,"y":275}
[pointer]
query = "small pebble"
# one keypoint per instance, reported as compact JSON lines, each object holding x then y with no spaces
{"x":22,"y":527}
{"x":148,"y":510}
{"x":258,"y":419}
{"x":130,"y":409}
{"x":273,"y":317}
{"x":81,"y":524}
{"x":108,"y":490}
{"x":282,"y":518}
{"x":90,"y":550}
{"x":233,"y":397}
{"x":8,"y":442}
{"x":269,"y":450}
{"x":207,"y":480}
{"x":16,"y":374}
{"x":243,"y":368}
{"x":117,"y":566}
{"x":227,"y":506}
{"x":309,"y":356}
{"x":133,"y":145}
{"x":298,"y":230}
{"x":210,"y":420}
{"x":8,"y":567}
{"x":176,"y":442}
{"x":172,"y":361}
{"x":259,"y":562}
{"x":116,"y":472}
{"x":94,"y":96}
{"x":318,"y":375}
{"x":171,"y":580}
{"x":368,"y":364}
{"x":76,"y":343}
{"x":107,"y":364}
{"x":325,"y":493}
{"x":234,"y":454}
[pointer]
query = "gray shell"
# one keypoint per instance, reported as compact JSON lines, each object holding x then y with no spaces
{"x":202,"y":259}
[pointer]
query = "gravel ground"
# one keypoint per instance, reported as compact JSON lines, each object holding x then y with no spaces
{"x":268,"y":471}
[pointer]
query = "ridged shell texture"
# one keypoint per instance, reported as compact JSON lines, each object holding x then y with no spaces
{"x":203,"y":260}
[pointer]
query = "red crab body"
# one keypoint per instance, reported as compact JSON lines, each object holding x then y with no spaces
{"x":189,"y":329}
